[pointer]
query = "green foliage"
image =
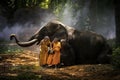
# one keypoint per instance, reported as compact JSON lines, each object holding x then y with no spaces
{"x":116,"y":57}
{"x":45,"y":4}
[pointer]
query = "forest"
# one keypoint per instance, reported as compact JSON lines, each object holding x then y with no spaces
{"x":25,"y":17}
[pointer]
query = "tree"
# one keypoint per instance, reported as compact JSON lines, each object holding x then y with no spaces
{"x":117,"y":20}
{"x":8,"y":7}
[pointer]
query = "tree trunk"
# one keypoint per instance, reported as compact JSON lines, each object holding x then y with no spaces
{"x":117,"y":20}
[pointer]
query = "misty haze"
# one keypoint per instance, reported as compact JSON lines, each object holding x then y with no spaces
{"x":26,"y":21}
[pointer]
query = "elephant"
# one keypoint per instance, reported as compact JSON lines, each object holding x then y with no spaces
{"x":87,"y":47}
{"x":67,"y":53}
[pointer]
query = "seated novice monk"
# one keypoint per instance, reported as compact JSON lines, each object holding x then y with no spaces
{"x":44,"y":44}
{"x":54,"y":58}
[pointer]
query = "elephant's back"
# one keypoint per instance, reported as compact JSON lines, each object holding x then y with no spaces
{"x":87,"y":46}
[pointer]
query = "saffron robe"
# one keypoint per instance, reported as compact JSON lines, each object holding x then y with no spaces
{"x":54,"y":58}
{"x":43,"y":52}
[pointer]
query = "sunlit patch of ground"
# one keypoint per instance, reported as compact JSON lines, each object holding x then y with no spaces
{"x":25,"y":66}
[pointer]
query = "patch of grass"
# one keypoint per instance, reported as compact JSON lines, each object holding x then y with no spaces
{"x":22,"y":76}
{"x":28,"y":76}
{"x":8,"y":49}
{"x":23,"y":72}
{"x":25,"y":67}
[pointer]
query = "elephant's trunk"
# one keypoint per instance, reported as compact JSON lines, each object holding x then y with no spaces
{"x":23,"y":44}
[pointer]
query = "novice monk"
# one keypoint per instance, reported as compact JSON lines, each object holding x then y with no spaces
{"x":54,"y":58}
{"x":44,"y":44}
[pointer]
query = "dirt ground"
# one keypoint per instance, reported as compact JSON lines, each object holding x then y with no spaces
{"x":24,"y":66}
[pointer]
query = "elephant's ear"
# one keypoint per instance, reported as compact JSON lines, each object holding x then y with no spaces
{"x":60,"y":32}
{"x":39,"y":34}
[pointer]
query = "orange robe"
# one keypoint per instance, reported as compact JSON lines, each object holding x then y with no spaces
{"x":54,"y":58}
{"x":43,"y":52}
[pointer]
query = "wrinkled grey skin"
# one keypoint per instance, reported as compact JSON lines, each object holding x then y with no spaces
{"x":86,"y":47}
{"x":67,"y":53}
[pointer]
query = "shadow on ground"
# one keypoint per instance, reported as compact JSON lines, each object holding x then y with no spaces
{"x":24,"y":66}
